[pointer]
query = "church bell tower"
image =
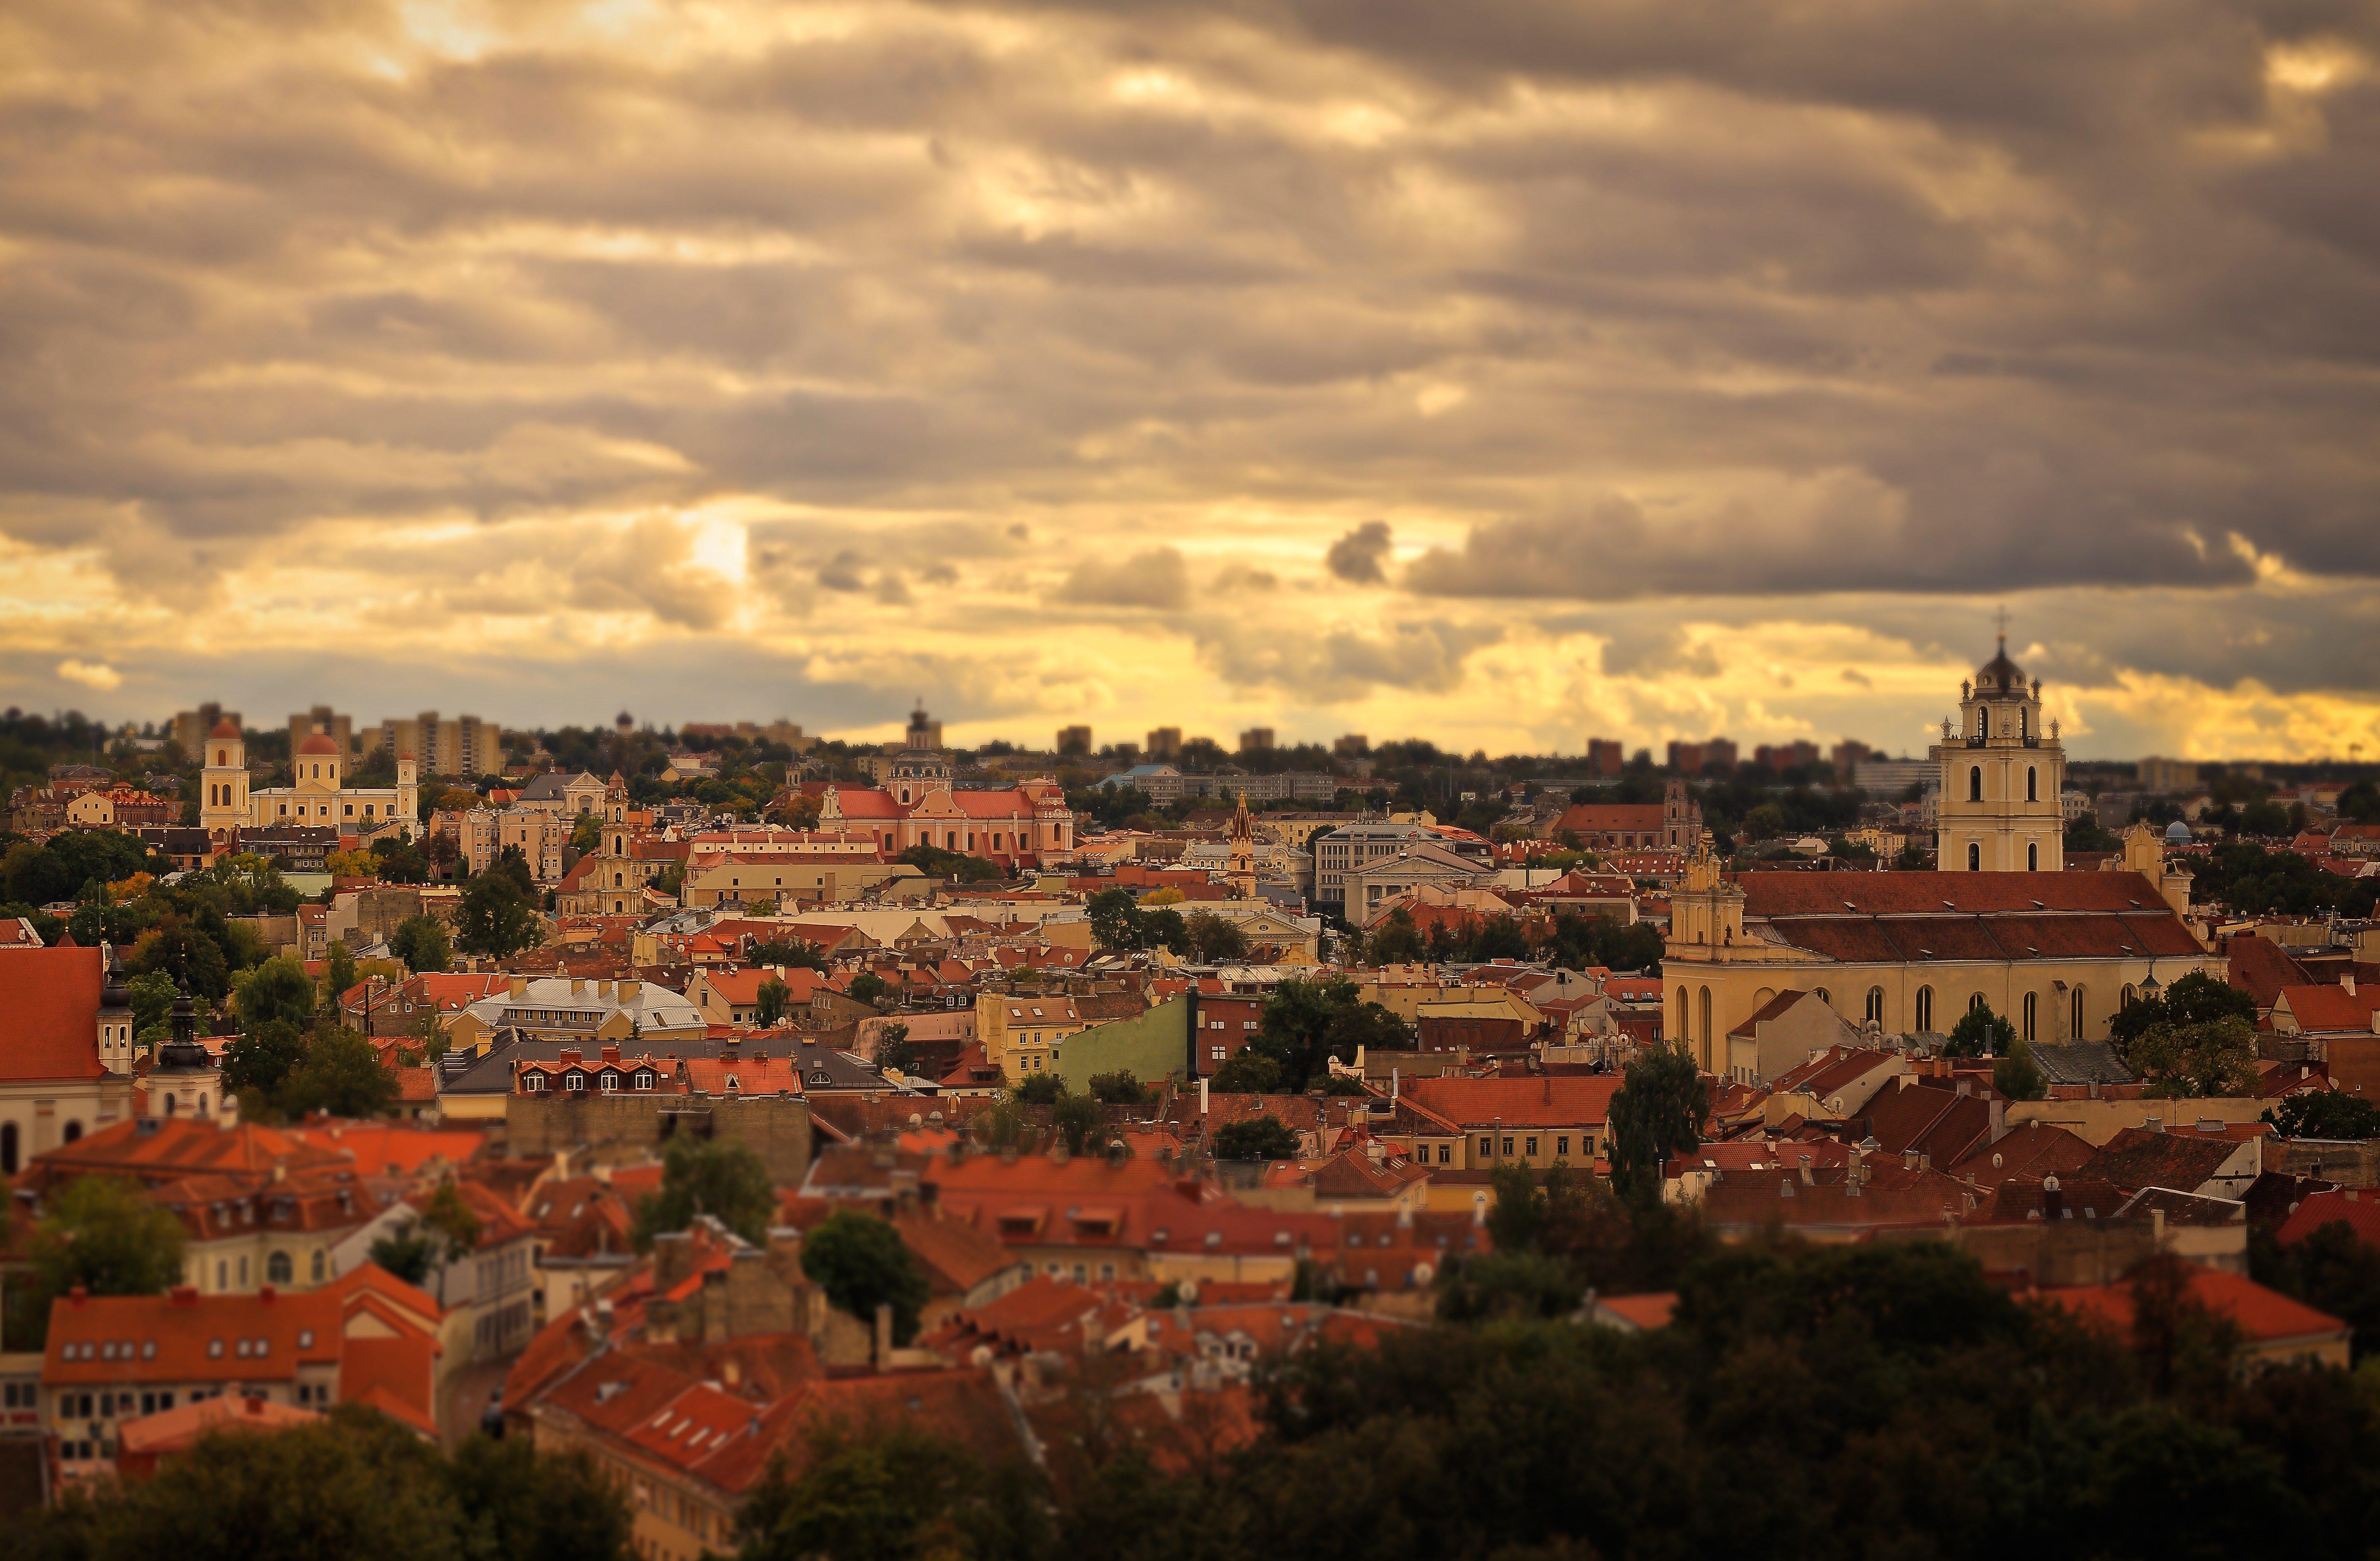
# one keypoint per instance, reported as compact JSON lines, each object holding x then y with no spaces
{"x":2001,"y":774}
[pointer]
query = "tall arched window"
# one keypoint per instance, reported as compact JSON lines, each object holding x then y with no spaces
{"x":7,"y":1148}
{"x":1974,"y":783}
{"x":1709,"y":1037}
{"x":1974,"y":856}
{"x":1874,"y":1010}
{"x":2032,"y":858}
{"x":2030,"y":1000}
{"x":1982,"y":722}
{"x":1678,"y":1017}
{"x":74,"y":1131}
{"x":2128,"y":997}
{"x":2024,"y":721}
{"x":1924,"y":1008}
{"x":277,"y":1269}
{"x":2032,"y":784}
{"x":1975,"y":1002}
{"x":2074,"y":1028}
{"x":316,"y":1267}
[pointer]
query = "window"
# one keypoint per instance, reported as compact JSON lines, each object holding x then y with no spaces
{"x":1445,"y":1153}
{"x":1708,"y":1034}
{"x":1508,"y":1143}
{"x":314,"y":1270}
{"x":1926,"y":1008}
{"x":1487,"y":1149}
{"x":1974,"y":783}
{"x":2032,"y":858}
{"x":1561,"y":1147}
{"x":2032,"y":784}
{"x":1532,"y":1148}
{"x":1975,"y":1002}
{"x":2030,"y":999}
{"x":7,"y":1148}
{"x":1974,"y":856}
{"x":278,"y":1270}
{"x":1874,"y":1010}
{"x":574,"y":1080}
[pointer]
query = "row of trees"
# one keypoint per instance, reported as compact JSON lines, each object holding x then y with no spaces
{"x":1121,"y":924}
{"x":1570,"y":939}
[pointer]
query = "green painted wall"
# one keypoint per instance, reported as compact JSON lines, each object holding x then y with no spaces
{"x":1149,"y":1048}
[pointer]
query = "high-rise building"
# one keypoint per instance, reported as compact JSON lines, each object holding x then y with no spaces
{"x":322,"y":719}
{"x":463,"y":745}
{"x":190,"y":727}
{"x":1719,"y":754}
{"x":1257,"y":739}
{"x":1848,"y":754}
{"x":1353,"y":745}
{"x":1685,"y":759}
{"x":1164,"y":744}
{"x":2168,"y":775}
{"x":1606,"y":757}
{"x":1073,"y":739}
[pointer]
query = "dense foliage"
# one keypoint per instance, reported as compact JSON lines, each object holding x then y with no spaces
{"x":862,"y":1262}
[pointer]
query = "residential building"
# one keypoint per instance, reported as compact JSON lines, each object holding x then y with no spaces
{"x":1352,"y":848}
{"x":321,"y":720}
{"x":1164,"y":742}
{"x":578,"y":1009}
{"x":463,"y":745}
{"x":1073,"y":740}
{"x":2274,"y":1330}
{"x":1782,"y":1035}
{"x":1467,"y":1124}
{"x":2158,"y":775}
{"x":1257,"y":739}
{"x":1887,"y":779}
{"x":112,"y":1359}
{"x":193,"y":727}
{"x":1607,"y":758}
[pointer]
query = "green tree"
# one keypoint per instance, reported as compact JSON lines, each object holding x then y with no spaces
{"x":1119,"y":1088}
{"x":868,"y":987}
{"x":260,"y":1059}
{"x":341,"y":975}
{"x":1658,"y":1112}
{"x":2196,"y":998}
{"x":182,"y":953}
{"x":1246,"y":1071}
{"x":421,"y":943}
{"x":496,"y":916}
{"x":103,"y":1234}
{"x":1078,"y":1122}
{"x":1508,"y":1285}
{"x":1294,"y":1028}
{"x":341,"y":1073}
{"x":1163,"y":927}
{"x":445,"y":1230}
{"x":522,"y":1504}
{"x":1980,"y":1033}
{"x":2324,"y":1114}
{"x":1042,"y":1089}
{"x":2017,"y":1076}
{"x":791,"y":953}
{"x":2331,"y":1270}
{"x":1214,"y":940}
{"x":587,"y":834}
{"x":773,"y":998}
{"x":861,"y":1263}
{"x":1115,"y":920}
{"x":1396,"y":940}
{"x":513,"y":863}
{"x":2182,"y":1060}
{"x":721,"y":1177}
{"x":1263,"y":1137}
{"x":153,"y":996}
{"x":891,"y":1493}
{"x":895,"y":1053}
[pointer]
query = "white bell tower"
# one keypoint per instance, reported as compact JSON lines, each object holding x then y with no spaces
{"x":2002,"y":773}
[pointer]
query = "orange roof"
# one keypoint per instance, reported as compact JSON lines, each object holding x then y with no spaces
{"x":52,"y":1029}
{"x":2264,"y":1315}
{"x":101,"y":1341}
{"x":1523,"y":1102}
{"x":171,"y":1431}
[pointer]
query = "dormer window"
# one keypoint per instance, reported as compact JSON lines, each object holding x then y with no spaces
{"x":733,"y":1083}
{"x":644,"y":1077}
{"x":576,"y":1082}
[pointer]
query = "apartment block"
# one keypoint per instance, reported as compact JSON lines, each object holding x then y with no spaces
{"x":461,"y":745}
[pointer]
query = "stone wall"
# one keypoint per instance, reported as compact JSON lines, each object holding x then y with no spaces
{"x":776,"y":1126}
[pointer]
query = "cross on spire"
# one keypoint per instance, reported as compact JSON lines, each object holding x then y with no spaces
{"x":2000,"y":618}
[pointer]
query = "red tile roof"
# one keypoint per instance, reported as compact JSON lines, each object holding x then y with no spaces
{"x":48,"y":1020}
{"x":1523,"y":1102}
{"x":2360,"y":1208}
{"x":2265,"y":1316}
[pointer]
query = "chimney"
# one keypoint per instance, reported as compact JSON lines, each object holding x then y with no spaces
{"x":1202,"y":1096}
{"x":1806,"y":1181}
{"x":1857,"y":1174}
{"x":571,"y":1055}
{"x":518,"y":987}
{"x":1966,"y":1086}
{"x":2000,"y":1116}
{"x":2347,"y":982}
{"x":629,"y":990}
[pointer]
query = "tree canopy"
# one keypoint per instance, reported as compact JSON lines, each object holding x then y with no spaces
{"x":1659,"y":1110}
{"x":721,"y":1177}
{"x":862,"y":1262}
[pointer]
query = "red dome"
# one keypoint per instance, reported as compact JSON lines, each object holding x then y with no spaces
{"x":224,"y":728}
{"x":320,"y":744}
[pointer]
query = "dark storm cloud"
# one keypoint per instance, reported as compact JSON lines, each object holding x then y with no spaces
{"x":1678,"y":300}
{"x":1357,"y":557}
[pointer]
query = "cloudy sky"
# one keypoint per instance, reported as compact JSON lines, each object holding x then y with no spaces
{"x":1502,"y":373}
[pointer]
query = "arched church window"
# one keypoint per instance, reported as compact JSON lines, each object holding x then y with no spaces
{"x":1975,"y":1002}
{"x":278,"y":1270}
{"x":2024,"y":721}
{"x":1974,"y":856}
{"x":2074,"y":1028}
{"x":1707,"y":1036}
{"x":7,"y":1148}
{"x":2032,"y":784}
{"x":2032,"y":858}
{"x":1875,"y":1004}
{"x":2031,"y":1001}
{"x":1982,"y":723}
{"x":1974,"y":783}
{"x":1924,"y":1008}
